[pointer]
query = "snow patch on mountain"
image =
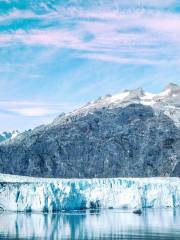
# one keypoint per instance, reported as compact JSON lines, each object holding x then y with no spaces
{"x":8,"y":135}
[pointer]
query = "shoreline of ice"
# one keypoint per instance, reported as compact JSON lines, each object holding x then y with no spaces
{"x":18,"y":193}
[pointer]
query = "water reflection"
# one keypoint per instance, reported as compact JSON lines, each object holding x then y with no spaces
{"x":107,"y":224}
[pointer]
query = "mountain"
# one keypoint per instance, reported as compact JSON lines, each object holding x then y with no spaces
{"x":8,"y":135}
{"x":131,"y":134}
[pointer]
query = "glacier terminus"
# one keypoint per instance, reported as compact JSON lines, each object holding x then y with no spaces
{"x":18,"y":193}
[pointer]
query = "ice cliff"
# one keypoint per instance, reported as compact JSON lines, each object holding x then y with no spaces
{"x":38,"y":194}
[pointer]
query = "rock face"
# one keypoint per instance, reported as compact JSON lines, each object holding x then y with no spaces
{"x":131,"y":134}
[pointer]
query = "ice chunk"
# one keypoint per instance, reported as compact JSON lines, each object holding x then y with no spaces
{"x":38,"y":194}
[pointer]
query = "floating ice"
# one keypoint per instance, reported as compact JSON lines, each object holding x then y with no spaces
{"x":38,"y":194}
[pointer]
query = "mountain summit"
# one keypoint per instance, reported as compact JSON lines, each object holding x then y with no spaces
{"x":130,"y":134}
{"x":172,"y":87}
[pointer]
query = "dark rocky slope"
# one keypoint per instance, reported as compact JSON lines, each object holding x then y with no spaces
{"x":127,"y":139}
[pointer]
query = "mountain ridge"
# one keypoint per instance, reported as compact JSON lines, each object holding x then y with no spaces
{"x":130,"y":134}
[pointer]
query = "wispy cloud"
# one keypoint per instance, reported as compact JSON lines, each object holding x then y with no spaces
{"x":121,"y":60}
{"x":57,"y":51}
{"x":32,"y":109}
{"x":17,"y":14}
{"x":110,"y":31}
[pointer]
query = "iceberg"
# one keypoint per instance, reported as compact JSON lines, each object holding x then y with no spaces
{"x":18,"y":193}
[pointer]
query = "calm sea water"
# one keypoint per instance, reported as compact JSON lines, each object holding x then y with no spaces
{"x":105,"y":224}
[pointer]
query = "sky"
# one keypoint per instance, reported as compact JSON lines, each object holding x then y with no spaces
{"x":56,"y":55}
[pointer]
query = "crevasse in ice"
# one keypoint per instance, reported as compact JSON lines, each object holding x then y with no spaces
{"x":37,"y":194}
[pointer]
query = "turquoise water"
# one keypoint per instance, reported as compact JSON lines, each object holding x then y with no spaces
{"x":104,"y":224}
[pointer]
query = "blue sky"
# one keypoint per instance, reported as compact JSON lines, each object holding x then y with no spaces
{"x":57,"y":55}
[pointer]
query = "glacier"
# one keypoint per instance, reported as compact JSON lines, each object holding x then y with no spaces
{"x":28,"y":194}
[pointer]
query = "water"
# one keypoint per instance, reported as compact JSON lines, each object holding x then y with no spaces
{"x":106,"y":224}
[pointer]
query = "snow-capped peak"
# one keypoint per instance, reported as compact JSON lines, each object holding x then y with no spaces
{"x":170,"y":90}
{"x":172,"y":87}
{"x":166,"y":100}
{"x":8,"y":135}
{"x":137,"y":96}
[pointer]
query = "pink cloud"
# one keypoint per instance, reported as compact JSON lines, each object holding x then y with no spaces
{"x":114,"y":33}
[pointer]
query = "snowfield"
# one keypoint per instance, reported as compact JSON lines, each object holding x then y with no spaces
{"x":43,"y":194}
